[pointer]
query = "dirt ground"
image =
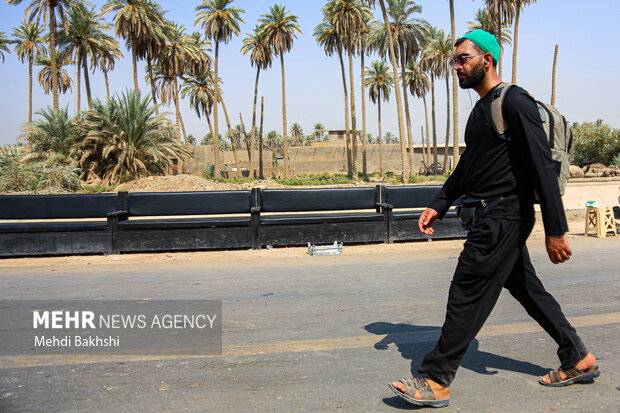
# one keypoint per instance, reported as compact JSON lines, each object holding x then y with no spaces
{"x":179,"y":183}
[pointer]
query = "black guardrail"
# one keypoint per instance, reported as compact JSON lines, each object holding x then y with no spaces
{"x":40,"y":225}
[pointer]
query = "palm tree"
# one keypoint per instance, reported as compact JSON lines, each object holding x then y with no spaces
{"x":326,"y":36}
{"x":220,"y":21}
{"x":455,"y":94}
{"x":261,"y":56}
{"x":199,"y":88}
{"x":379,"y":82}
{"x":126,"y":137}
{"x":319,"y":131}
{"x":46,"y":74}
{"x":364,"y":47}
{"x":4,"y":42}
{"x":107,"y":61}
{"x":349,"y":18}
{"x":51,"y":136}
{"x":484,"y":21}
{"x":436,"y":58}
{"x":297,"y":133}
{"x":29,"y":43}
{"x":502,"y":12}
{"x":419,"y":85}
{"x":280,"y":29}
{"x":410,"y":36}
{"x":84,"y":38}
{"x":518,"y":6}
{"x":139,"y":22}
{"x":397,"y":91}
{"x":51,"y":11}
{"x":179,"y":55}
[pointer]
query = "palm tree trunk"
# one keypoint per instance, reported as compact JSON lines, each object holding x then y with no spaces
{"x":178,"y":110}
{"x":364,"y":131}
{"x":428,"y":137}
{"x":424,"y":153}
{"x":53,"y":63}
{"x":447,"y":143}
{"x":245,"y":135}
{"x":253,"y":137}
{"x":353,"y":118}
{"x":399,"y":99}
{"x":515,"y":44}
{"x":261,"y":173}
{"x":216,"y":130}
{"x":407,"y":115}
{"x":107,"y":83}
{"x":555,"y":65}
{"x":87,"y":83}
{"x":381,"y":168}
{"x":78,"y":77}
{"x":284,"y":125}
{"x":455,"y":95}
{"x":434,"y":166}
{"x":134,"y":61}
{"x":230,"y":134}
{"x":152,"y":82}
{"x":347,"y":130}
{"x":209,"y":124}
{"x":30,"y":80}
{"x":499,"y":35}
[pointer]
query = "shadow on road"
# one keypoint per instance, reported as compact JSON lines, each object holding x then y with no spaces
{"x":413,"y":342}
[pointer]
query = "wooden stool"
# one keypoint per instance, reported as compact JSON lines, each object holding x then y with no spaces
{"x":601,"y":220}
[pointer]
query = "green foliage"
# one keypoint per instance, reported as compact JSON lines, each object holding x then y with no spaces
{"x":232,"y":180}
{"x":53,"y":135}
{"x":209,"y":171}
{"x":415,"y":179}
{"x":595,"y":143}
{"x":125,"y":136}
{"x":616,"y":160}
{"x":97,"y":189}
{"x":317,"y":179}
{"x":19,"y":176}
{"x":126,"y":177}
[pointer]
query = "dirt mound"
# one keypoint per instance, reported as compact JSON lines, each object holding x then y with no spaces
{"x":182,"y":183}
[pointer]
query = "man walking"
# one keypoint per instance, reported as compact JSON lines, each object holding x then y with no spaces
{"x":497,"y":177}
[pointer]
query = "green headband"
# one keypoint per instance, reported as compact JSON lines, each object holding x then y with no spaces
{"x":486,"y":41}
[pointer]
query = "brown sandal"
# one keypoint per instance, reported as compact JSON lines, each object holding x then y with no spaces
{"x":573,"y":376}
{"x":427,"y":396}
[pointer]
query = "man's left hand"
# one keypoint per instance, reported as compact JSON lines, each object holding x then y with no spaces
{"x":558,"y":249}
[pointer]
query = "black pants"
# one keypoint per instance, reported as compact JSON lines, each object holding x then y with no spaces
{"x":495,"y":257}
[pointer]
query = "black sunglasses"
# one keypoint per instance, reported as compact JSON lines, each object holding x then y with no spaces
{"x":461,"y":59}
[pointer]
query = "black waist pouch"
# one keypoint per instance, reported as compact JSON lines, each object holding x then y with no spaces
{"x":472,"y":209}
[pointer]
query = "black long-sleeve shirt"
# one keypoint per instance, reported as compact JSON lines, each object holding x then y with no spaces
{"x":492,"y":166}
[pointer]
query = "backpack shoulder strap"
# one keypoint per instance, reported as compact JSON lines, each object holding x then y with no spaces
{"x":497,"y":113}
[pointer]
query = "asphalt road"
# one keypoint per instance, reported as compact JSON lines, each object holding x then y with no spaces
{"x":317,"y":334}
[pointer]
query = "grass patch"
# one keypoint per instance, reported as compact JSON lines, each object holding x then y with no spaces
{"x":415,"y":179}
{"x":97,"y":189}
{"x":231,"y":180}
{"x":318,"y":179}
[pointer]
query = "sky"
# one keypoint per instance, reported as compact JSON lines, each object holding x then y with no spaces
{"x":587,"y":85}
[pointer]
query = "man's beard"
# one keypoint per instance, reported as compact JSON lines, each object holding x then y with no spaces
{"x":473,"y":79}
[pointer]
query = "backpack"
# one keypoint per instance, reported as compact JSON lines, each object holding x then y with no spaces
{"x":559,"y":132}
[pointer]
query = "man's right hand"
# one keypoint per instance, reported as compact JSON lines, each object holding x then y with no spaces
{"x":425,"y":223}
